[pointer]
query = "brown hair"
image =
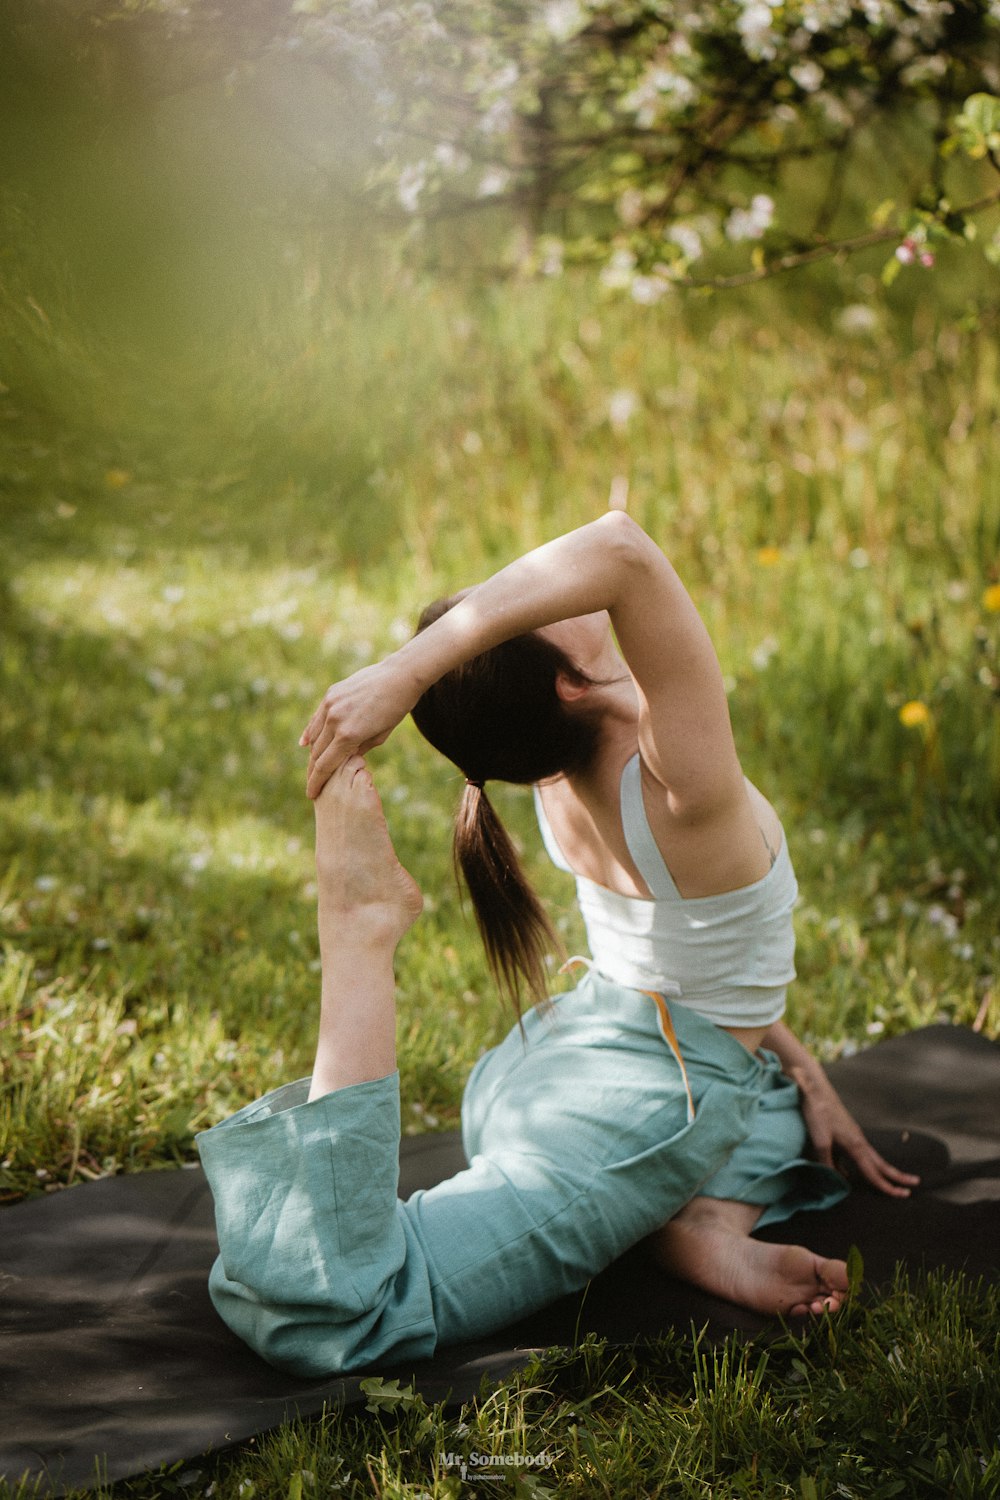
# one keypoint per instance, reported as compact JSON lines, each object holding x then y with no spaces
{"x":499,"y":717}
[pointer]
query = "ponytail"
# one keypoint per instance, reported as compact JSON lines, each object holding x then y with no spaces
{"x":515,"y":931}
{"x":499,"y":716}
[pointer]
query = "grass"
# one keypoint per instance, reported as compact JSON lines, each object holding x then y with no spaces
{"x":192,"y":551}
{"x":895,"y":1398}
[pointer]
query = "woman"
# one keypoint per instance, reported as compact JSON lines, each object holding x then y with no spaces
{"x":641,"y":1104}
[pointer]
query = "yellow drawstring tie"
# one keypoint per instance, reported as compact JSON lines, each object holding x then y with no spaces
{"x":670,"y":1037}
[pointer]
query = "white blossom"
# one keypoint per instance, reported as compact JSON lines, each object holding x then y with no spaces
{"x":661,"y":88}
{"x":495,"y":180}
{"x":750,"y":223}
{"x":808,"y":75}
{"x":617,"y":274}
{"x":647,"y":289}
{"x":449,"y":158}
{"x":630,"y":207}
{"x":687,"y":238}
{"x":924,"y":70}
{"x":857,"y":319}
{"x":563,"y":19}
{"x":757,"y":34}
{"x":411,"y":183}
{"x":551,"y":251}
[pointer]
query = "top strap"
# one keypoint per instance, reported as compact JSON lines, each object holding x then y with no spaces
{"x":548,"y":837}
{"x":639,"y":836}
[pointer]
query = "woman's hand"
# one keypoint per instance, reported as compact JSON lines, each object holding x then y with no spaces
{"x":354,"y":716}
{"x":832,"y":1128}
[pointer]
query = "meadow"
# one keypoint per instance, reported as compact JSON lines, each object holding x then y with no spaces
{"x":194,"y":548}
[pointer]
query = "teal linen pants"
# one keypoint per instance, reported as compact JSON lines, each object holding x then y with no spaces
{"x":579,"y":1144}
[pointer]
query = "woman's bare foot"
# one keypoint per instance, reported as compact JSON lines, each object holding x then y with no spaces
{"x":708,"y":1244}
{"x":366,"y":903}
{"x":363,"y":889}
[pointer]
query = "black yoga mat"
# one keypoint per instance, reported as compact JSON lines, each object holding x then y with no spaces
{"x":112,"y":1359}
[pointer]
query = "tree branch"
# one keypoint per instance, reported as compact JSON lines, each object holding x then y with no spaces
{"x":814,"y":253}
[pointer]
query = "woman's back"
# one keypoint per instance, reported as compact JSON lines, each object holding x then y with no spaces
{"x":726,"y":954}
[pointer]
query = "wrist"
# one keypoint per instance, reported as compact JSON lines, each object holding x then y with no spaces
{"x":809,"y":1076}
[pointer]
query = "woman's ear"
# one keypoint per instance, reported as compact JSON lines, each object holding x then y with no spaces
{"x":569,"y":688}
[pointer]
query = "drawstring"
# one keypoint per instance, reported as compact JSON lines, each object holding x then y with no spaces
{"x":663,"y":1016}
{"x":670,"y":1037}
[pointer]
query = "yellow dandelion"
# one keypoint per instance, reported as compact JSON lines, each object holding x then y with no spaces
{"x":914,"y":714}
{"x":117,"y":479}
{"x":991,"y":598}
{"x":768,"y":557}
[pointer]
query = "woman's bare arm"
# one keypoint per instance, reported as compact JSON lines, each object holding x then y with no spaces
{"x":611,"y":564}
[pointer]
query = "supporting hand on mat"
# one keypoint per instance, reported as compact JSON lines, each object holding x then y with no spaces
{"x":832,"y":1128}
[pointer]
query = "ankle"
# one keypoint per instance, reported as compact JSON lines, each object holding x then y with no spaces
{"x":359,"y":938}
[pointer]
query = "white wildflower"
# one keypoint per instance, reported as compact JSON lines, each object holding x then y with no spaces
{"x":939,"y":916}
{"x":762,"y":654}
{"x":622,"y":407}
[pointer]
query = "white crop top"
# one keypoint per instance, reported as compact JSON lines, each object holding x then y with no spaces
{"x":729,"y":957}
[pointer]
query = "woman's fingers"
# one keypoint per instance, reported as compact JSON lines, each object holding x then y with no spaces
{"x":315,"y":724}
{"x":322,"y":767}
{"x":881,"y":1173}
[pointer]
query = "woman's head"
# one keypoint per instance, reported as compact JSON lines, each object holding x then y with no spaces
{"x":515,"y":713}
{"x":502,"y":715}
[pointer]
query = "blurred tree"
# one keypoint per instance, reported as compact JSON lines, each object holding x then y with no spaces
{"x":669,"y":142}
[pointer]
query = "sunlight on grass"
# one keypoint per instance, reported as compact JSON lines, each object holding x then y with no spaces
{"x":191,"y":554}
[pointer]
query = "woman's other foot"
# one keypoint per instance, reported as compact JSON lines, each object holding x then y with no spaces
{"x":708,"y":1244}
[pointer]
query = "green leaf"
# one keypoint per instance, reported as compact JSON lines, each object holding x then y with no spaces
{"x":855,"y":1260}
{"x":977,"y":127}
{"x":890,"y":271}
{"x":385,"y":1395}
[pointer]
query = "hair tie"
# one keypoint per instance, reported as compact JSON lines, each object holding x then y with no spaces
{"x":471,"y":781}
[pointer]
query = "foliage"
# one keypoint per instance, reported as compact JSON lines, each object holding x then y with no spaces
{"x":670,"y":144}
